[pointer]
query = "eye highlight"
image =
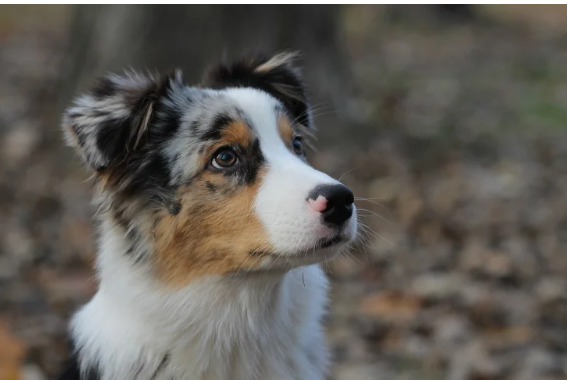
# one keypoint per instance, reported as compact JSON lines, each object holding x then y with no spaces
{"x":224,"y":158}
{"x":298,"y":145}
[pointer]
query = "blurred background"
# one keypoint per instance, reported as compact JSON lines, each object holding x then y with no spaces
{"x":451,"y":122}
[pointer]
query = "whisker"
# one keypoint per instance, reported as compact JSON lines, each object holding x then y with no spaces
{"x":377,"y":235}
{"x":315,"y":115}
{"x":348,"y":171}
{"x":90,"y":177}
{"x":376,"y":203}
{"x":373,"y":214}
{"x":311,"y":109}
{"x":363,"y":243}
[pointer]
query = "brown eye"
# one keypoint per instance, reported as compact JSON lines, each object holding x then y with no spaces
{"x":224,"y":158}
{"x":298,"y":145}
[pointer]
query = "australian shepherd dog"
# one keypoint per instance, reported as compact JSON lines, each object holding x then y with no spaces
{"x":211,"y":227}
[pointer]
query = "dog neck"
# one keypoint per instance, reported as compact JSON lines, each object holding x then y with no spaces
{"x":261,"y":326}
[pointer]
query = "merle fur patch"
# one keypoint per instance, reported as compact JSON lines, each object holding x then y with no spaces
{"x":112,"y":121}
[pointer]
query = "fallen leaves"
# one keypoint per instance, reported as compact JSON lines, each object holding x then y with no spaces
{"x":395,"y":307}
{"x":11,"y":354}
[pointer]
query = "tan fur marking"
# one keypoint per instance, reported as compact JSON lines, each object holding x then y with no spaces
{"x":215,"y":233}
{"x":277,"y":60}
{"x":285,"y":129}
{"x":238,"y":133}
{"x":144,"y":126}
{"x":103,"y":179}
{"x":288,"y":131}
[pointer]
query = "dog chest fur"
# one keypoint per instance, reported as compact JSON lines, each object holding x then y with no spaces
{"x":240,"y":328}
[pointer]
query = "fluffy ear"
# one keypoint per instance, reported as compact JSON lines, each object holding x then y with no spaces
{"x":112,"y":120}
{"x":276,"y":76}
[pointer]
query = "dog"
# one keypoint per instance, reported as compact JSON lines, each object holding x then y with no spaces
{"x":211,"y":227}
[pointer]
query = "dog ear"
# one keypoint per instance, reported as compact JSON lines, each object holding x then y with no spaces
{"x":276,"y":75}
{"x":111,"y":121}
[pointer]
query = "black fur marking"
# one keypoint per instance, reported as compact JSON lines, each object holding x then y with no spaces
{"x":145,"y":173}
{"x":120,"y":219}
{"x":74,"y":115}
{"x":157,"y":172}
{"x":168,"y":119}
{"x":80,"y":137}
{"x":103,"y":89}
{"x":252,"y":160}
{"x":169,"y":123}
{"x":112,"y":137}
{"x":211,"y":187}
{"x":161,"y":366}
{"x":242,"y":74}
{"x":133,"y":236}
{"x":174,"y":208}
{"x":255,"y":162}
{"x":214,"y":131}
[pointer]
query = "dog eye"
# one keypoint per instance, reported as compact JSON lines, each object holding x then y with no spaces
{"x":224,"y":158}
{"x":298,"y":145}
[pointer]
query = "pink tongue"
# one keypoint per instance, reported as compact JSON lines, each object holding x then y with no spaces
{"x":319,"y":204}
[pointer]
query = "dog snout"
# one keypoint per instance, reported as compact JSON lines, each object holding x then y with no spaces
{"x":334,"y":202}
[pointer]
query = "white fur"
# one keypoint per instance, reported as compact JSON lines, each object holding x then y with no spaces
{"x":252,"y":326}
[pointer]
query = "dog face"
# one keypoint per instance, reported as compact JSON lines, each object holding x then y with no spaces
{"x":211,"y":179}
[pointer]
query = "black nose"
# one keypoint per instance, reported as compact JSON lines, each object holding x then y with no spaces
{"x":339,"y":202}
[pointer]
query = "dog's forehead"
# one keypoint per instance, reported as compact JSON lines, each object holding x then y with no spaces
{"x":258,"y":108}
{"x":261,"y":111}
{"x":213,"y":108}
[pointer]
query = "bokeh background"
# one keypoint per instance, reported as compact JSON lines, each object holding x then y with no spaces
{"x":451,"y":122}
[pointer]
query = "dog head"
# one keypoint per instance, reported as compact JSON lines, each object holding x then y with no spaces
{"x":211,"y":179}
